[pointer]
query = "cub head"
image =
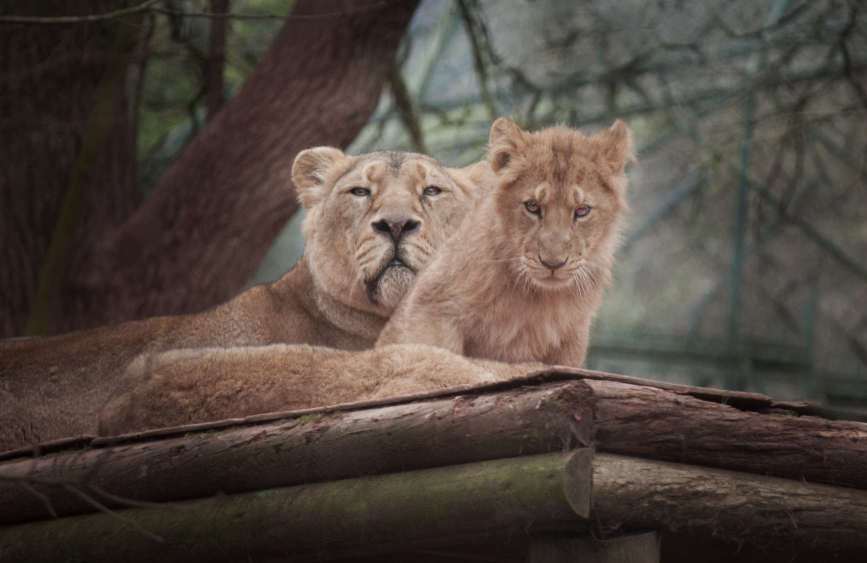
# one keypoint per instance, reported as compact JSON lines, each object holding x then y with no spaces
{"x":374,"y":221}
{"x":560,"y":197}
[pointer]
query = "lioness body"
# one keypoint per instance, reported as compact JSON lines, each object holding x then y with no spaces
{"x":338,"y":296}
{"x":523,"y":277}
{"x":185,"y":386}
{"x":53,"y":387}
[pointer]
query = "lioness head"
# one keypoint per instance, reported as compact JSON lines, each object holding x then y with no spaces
{"x":560,"y":196}
{"x":374,"y":221}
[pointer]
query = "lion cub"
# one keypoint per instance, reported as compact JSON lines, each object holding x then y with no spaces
{"x":523,"y":276}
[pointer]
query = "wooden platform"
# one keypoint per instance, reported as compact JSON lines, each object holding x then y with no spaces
{"x":559,"y":466}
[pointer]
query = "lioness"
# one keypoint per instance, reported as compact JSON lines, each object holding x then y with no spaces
{"x":523,"y":277}
{"x":372,"y":223}
{"x":534,"y":240}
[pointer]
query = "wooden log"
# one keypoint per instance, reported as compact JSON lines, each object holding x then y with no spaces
{"x":487,"y":423}
{"x":326,"y":520}
{"x":650,"y":422}
{"x":631,"y":493}
{"x":298,"y":450}
{"x":635,"y":548}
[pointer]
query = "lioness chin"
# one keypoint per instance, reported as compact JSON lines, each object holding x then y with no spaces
{"x":524,"y":275}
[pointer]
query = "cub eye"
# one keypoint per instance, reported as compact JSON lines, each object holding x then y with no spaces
{"x":533,"y":207}
{"x":431,"y":191}
{"x":360,"y":192}
{"x":582,"y":211}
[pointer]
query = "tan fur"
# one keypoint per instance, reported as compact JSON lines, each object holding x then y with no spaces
{"x":54,"y":387}
{"x":167,"y":389}
{"x":488,"y":293}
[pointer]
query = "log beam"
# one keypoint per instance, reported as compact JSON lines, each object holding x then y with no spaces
{"x":635,"y":548}
{"x":498,"y":498}
{"x":650,"y":422}
{"x":631,"y":493}
{"x":300,"y":449}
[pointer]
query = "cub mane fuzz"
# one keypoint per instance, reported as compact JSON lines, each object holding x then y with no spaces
{"x":523,"y":277}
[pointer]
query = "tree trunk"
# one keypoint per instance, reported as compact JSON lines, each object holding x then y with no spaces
{"x":199,"y":237}
{"x":203,"y":231}
{"x":67,"y":164}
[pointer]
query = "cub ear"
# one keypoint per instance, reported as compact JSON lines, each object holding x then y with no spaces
{"x":310,"y":170}
{"x":505,"y":140}
{"x":616,"y":146}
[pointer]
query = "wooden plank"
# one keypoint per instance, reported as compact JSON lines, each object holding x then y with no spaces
{"x":509,"y":498}
{"x":635,"y":548}
{"x":307,"y":449}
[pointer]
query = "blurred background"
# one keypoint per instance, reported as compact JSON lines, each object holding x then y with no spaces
{"x":744,"y":264}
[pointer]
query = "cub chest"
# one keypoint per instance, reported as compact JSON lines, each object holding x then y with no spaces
{"x":518,"y":331}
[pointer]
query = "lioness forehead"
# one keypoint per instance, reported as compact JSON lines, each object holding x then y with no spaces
{"x":394,"y":161}
{"x":383,"y":167}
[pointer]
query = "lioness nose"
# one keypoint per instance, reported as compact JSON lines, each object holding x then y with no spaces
{"x":552,"y":264}
{"x":396,"y":227}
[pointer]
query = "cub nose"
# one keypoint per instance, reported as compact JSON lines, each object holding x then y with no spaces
{"x":395,"y":227}
{"x":553,"y":264}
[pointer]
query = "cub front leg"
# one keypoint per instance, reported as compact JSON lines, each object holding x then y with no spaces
{"x":572,"y":353}
{"x":413,"y":324}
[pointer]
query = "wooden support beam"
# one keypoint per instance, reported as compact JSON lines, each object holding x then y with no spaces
{"x":633,"y":494}
{"x":645,"y":421}
{"x":508,"y":497}
{"x":299,"y":450}
{"x":636,"y":548}
{"x":530,"y":417}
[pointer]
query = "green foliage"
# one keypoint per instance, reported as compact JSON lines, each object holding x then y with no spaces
{"x":171,"y":107}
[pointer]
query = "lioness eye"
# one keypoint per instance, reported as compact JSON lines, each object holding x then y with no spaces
{"x":360,"y":192}
{"x":432,"y":191}
{"x":533,"y":207}
{"x":582,"y":211}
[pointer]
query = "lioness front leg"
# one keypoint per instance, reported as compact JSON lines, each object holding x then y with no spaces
{"x":186,"y":386}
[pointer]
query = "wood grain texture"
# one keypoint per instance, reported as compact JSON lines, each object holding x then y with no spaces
{"x":649,"y":422}
{"x":504,"y":497}
{"x":635,"y":548}
{"x":303,"y":449}
{"x":631,"y":493}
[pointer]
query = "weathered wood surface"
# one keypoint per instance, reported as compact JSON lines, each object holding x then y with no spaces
{"x":740,"y":399}
{"x":311,"y":522}
{"x":635,"y":548}
{"x":304,"y":449}
{"x":631,"y":493}
{"x":525,"y":417}
{"x":456,"y":504}
{"x":655,"y":423}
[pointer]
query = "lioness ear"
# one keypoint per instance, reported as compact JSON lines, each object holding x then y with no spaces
{"x":505,"y":140}
{"x":309,"y":171}
{"x":616,"y":146}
